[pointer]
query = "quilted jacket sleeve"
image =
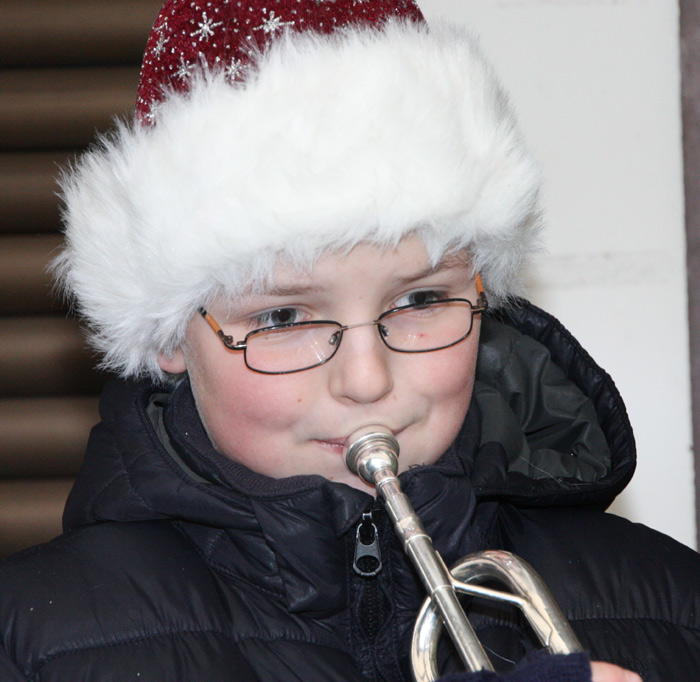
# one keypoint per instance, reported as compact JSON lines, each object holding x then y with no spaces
{"x":9,"y":672}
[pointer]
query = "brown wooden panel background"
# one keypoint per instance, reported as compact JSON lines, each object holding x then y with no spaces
{"x":67,"y":67}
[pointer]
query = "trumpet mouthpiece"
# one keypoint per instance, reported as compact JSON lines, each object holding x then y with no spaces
{"x":371,"y":449}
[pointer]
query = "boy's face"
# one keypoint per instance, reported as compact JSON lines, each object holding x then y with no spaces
{"x":290,"y":424}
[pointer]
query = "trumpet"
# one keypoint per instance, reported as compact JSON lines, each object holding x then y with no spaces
{"x":372,"y":454}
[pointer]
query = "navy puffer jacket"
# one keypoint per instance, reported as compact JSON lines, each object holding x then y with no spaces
{"x":178,"y":565}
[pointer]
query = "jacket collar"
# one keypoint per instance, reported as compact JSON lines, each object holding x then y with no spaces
{"x":299,"y":531}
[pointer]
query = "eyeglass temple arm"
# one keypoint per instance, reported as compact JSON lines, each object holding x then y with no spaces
{"x":226,"y":339}
{"x":483,"y":305}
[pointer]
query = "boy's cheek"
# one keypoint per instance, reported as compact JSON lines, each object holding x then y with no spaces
{"x":245,"y":401}
{"x":447,"y":373}
{"x":250,"y":427}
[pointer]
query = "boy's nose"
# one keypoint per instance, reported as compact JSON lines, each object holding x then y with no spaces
{"x":360,"y":370}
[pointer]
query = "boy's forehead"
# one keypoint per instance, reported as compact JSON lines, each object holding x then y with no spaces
{"x":407,"y":265}
{"x":365,"y":270}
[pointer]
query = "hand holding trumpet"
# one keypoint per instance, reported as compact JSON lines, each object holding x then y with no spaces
{"x":605,"y":672}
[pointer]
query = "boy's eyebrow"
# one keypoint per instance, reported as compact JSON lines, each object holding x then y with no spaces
{"x":289,"y":290}
{"x":441,"y":266}
{"x":301,"y":289}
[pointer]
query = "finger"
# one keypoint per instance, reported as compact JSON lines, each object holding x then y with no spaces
{"x":606,"y":672}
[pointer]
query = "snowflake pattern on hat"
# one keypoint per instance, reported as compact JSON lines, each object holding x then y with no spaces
{"x":226,"y":34}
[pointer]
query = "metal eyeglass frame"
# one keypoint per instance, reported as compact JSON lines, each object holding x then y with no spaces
{"x":230,"y":344}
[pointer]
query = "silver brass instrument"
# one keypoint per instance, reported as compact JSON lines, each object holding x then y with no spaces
{"x":372,"y":454}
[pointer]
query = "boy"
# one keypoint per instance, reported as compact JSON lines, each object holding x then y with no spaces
{"x":300,"y":236}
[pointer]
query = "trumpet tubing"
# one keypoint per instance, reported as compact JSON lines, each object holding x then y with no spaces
{"x":372,"y":454}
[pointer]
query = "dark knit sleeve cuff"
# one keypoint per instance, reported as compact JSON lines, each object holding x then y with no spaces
{"x":537,"y":667}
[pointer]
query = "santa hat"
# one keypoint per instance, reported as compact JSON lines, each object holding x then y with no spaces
{"x":285,"y":130}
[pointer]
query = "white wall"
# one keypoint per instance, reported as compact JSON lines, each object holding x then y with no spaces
{"x":597,"y":83}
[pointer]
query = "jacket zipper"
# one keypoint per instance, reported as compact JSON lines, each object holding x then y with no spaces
{"x":367,"y":560}
{"x":372,"y":608}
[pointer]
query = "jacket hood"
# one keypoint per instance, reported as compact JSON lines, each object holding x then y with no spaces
{"x":554,"y":429}
{"x":546,"y":428}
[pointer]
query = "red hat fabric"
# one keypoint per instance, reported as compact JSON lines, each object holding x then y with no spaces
{"x":227,"y":34}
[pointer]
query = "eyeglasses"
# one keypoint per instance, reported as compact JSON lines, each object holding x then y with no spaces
{"x":415,"y":328}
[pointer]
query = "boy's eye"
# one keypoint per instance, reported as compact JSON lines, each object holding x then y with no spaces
{"x":273,"y":318}
{"x":421,"y":298}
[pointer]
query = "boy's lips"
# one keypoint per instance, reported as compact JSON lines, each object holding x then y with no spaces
{"x":334,"y":444}
{"x":333,"y":441}
{"x":342,"y":442}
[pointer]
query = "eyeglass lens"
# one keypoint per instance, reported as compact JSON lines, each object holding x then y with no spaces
{"x":412,"y":329}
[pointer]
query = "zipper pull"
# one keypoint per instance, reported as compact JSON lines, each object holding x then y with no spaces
{"x":368,"y":559}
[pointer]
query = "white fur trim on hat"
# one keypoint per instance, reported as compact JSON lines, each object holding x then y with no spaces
{"x":331,"y":141}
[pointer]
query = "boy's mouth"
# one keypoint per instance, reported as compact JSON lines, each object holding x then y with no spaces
{"x":333,"y":441}
{"x":334,"y":444}
{"x":337,"y":444}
